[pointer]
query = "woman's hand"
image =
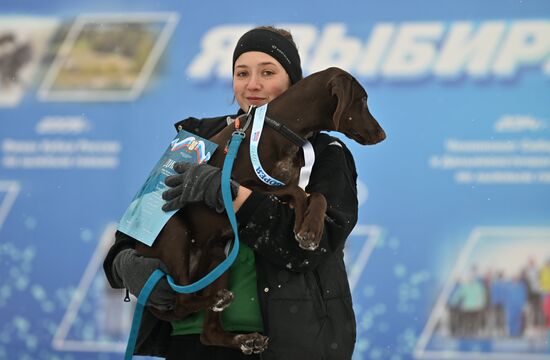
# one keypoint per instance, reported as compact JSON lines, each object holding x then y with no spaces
{"x":195,"y":183}
{"x":132,"y":271}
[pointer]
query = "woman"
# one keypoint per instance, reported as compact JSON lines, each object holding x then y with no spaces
{"x":300,"y":299}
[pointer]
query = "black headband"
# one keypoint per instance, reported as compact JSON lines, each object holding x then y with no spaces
{"x":272,"y":44}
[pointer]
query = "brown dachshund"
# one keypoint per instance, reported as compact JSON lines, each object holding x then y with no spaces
{"x":192,"y":242}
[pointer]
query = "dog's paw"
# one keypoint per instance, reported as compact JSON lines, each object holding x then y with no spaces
{"x":223,"y":300}
{"x":252,"y":343}
{"x":307,"y":240}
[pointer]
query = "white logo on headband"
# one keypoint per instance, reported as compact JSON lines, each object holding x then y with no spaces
{"x":282,"y":53}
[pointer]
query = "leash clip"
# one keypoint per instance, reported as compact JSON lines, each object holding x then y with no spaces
{"x":239,"y":133}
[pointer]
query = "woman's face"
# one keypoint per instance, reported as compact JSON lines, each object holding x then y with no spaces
{"x":257,"y":79}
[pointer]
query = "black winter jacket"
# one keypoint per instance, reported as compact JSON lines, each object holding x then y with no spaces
{"x":304,"y":295}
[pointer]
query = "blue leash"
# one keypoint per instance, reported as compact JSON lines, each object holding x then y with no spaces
{"x":138,"y":312}
{"x":236,"y":140}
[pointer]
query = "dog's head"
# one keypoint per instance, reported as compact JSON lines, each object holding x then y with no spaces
{"x":352,"y":116}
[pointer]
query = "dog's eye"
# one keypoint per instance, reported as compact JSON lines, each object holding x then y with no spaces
{"x":364,"y":101}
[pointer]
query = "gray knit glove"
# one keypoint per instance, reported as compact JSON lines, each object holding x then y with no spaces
{"x":132,"y":271}
{"x":195,"y":183}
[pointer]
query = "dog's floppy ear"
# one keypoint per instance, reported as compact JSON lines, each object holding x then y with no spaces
{"x":352,"y":116}
{"x":341,"y":88}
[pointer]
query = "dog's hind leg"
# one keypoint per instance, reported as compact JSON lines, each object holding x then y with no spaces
{"x":205,"y":299}
{"x":172,"y":246}
{"x":176,"y":248}
{"x":213,"y":334}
